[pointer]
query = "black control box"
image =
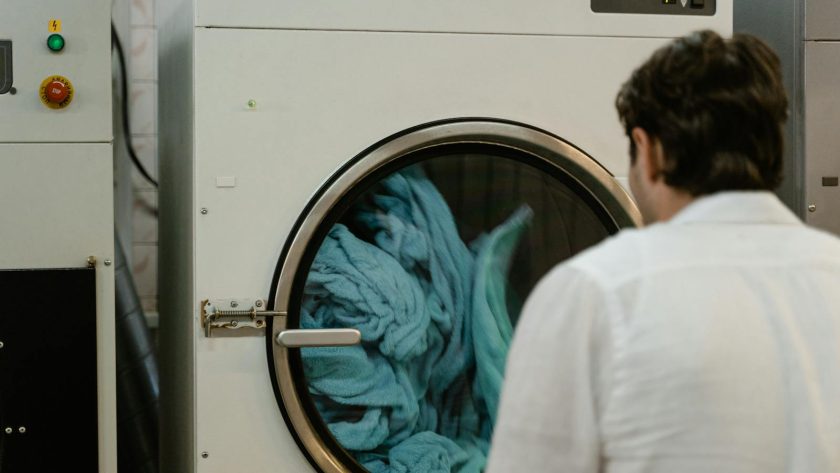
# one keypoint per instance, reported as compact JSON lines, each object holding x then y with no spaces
{"x":656,"y":7}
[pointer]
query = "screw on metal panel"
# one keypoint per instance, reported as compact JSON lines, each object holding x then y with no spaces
{"x":13,"y":91}
{"x":91,"y":261}
{"x":258,"y":303}
{"x":204,"y":211}
{"x":8,"y":430}
{"x":812,"y":208}
{"x":107,"y":262}
{"x":234,"y":323}
{"x":234,"y":304}
{"x":252,"y":104}
{"x":22,"y":429}
{"x":259,"y":323}
{"x":204,"y":454}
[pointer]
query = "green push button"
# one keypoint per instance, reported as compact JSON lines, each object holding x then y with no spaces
{"x":55,"y":42}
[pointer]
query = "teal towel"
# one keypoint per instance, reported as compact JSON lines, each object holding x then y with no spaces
{"x":427,"y":452}
{"x":420,"y":393}
{"x":491,"y":327}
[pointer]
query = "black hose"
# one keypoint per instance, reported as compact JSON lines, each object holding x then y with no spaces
{"x":138,"y":387}
{"x":116,"y":44}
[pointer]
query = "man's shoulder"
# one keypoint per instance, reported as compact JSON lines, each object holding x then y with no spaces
{"x":821,"y":237}
{"x":817,"y":245}
{"x":633,"y":253}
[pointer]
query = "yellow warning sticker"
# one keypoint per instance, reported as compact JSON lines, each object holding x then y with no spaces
{"x":55,"y":26}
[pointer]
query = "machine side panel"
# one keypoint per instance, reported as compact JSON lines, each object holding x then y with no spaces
{"x":54,"y":216}
{"x":557,"y":17}
{"x":85,"y":61}
{"x":822,"y":142}
{"x":277,"y":112}
{"x":177,"y":305}
{"x":822,"y":19}
{"x":779,"y":23}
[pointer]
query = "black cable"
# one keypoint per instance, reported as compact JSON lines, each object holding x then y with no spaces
{"x":115,"y":43}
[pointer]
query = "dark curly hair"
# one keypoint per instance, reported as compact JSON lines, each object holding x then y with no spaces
{"x":717,"y":106}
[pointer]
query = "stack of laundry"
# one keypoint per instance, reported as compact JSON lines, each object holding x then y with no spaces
{"x":420,"y":393}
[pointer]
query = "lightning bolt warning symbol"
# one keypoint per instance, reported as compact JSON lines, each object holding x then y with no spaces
{"x":55,"y":25}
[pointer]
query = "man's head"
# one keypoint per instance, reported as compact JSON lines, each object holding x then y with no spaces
{"x":703,"y":114}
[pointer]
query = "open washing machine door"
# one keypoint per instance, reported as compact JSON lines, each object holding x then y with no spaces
{"x":428,"y":244}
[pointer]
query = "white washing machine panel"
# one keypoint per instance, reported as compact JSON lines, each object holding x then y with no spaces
{"x":321,"y":98}
{"x":256,"y":120}
{"x":557,"y":17}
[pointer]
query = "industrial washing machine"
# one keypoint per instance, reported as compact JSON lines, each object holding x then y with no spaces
{"x":357,"y":197}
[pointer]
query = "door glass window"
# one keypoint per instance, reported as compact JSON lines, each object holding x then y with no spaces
{"x":432,"y":264}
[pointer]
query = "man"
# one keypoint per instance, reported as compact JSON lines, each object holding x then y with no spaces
{"x":709,"y":341}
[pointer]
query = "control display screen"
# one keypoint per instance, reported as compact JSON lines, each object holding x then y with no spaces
{"x":656,"y":7}
{"x":5,"y":66}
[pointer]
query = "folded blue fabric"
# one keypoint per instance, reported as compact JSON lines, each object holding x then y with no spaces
{"x":421,"y":391}
{"x":359,"y":281}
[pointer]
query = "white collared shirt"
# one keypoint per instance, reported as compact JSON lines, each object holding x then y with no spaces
{"x":710,"y":343}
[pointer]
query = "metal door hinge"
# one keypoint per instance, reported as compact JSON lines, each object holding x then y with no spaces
{"x":235,"y":317}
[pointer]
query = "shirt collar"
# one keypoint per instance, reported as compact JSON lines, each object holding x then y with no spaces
{"x":737,"y":207}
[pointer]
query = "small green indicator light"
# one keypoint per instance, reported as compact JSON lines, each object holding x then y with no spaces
{"x":55,"y":42}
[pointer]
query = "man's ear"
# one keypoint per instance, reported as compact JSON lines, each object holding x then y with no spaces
{"x":649,"y":154}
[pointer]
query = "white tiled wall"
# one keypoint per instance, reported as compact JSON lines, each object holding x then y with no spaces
{"x":139,"y":37}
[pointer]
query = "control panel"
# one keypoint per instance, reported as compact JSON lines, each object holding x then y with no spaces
{"x":57,"y":390}
{"x":55,"y":69}
{"x":656,"y":7}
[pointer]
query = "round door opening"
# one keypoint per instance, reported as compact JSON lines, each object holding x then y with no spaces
{"x":430,"y":255}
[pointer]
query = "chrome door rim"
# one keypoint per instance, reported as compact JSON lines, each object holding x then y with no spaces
{"x":546,"y":147}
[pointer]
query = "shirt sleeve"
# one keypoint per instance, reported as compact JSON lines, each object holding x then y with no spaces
{"x":557,"y":371}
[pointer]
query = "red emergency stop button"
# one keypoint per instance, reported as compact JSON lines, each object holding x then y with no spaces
{"x":56,"y":92}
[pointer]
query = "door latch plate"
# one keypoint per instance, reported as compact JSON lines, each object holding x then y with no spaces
{"x":240,"y":317}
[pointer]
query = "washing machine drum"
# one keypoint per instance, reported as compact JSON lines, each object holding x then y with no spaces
{"x":408,"y":272}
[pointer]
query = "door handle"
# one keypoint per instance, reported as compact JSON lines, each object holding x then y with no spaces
{"x":322,"y":337}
